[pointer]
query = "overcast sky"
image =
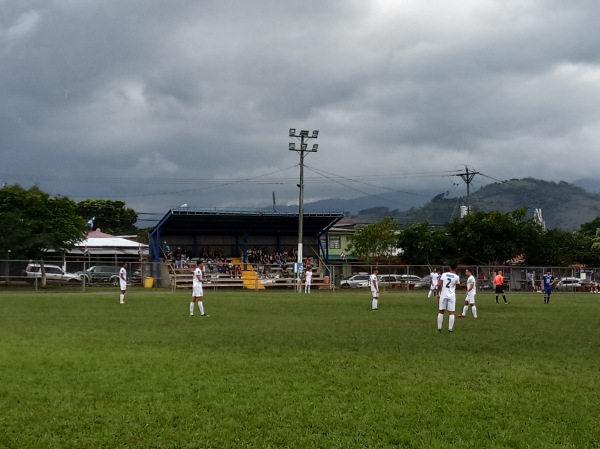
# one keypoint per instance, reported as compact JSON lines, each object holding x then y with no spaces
{"x":161,"y":103}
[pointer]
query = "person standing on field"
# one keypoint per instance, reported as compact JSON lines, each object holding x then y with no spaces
{"x":123,"y":282}
{"x":446,"y":294}
{"x":374,"y":288}
{"x":435,"y":276}
{"x":499,"y":283}
{"x":470,"y":299}
{"x":548,"y":282}
{"x":197,"y":293}
{"x":307,"y":279}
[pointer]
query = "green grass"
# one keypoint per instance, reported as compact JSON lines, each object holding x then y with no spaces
{"x":277,"y":369}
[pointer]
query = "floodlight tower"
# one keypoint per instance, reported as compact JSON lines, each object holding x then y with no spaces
{"x":303,"y":137}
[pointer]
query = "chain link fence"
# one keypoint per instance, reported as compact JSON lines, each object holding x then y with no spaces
{"x":88,"y":275}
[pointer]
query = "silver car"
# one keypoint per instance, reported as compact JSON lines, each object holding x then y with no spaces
{"x":54,"y":274}
{"x":355,"y":281}
{"x":570,"y":284}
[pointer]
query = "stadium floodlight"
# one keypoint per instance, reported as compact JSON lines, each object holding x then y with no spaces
{"x":303,"y":136}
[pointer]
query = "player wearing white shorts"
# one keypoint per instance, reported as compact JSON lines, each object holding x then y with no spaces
{"x":123,"y":282}
{"x":471,"y":292}
{"x":307,"y":279}
{"x":435,"y":276}
{"x":447,"y":297}
{"x":197,"y":293}
{"x":374,"y":289}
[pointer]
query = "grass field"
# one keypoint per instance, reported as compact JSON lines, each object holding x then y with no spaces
{"x":278,"y":369}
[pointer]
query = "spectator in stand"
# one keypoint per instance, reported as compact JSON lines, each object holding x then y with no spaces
{"x":177,"y":257}
{"x":166,"y":250}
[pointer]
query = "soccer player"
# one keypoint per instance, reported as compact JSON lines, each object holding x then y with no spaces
{"x":197,"y":293}
{"x":435,"y":276}
{"x":446,"y":294}
{"x":499,"y":283}
{"x":548,"y":281}
{"x":470,"y":299}
{"x":307,"y":279}
{"x":123,"y":282}
{"x":374,"y":288}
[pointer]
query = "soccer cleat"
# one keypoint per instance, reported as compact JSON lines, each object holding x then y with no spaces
{"x":449,"y":330}
{"x":191,"y":315}
{"x":461,"y":316}
{"x":439,"y":331}
{"x":204,"y":314}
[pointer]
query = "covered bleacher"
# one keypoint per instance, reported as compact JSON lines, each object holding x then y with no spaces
{"x":234,"y":235}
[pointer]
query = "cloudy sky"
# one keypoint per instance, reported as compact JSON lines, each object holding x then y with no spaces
{"x":161,"y":103}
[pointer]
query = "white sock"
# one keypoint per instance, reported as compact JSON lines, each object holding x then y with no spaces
{"x":429,"y":294}
{"x":440,"y":320}
{"x":374,"y":304}
{"x":201,"y":307}
{"x":474,"y":310}
{"x":465,"y":310}
{"x":192,"y":308}
{"x":451,"y":322}
{"x":122,"y":297}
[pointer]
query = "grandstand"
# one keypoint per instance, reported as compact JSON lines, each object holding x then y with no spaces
{"x":226,"y":240}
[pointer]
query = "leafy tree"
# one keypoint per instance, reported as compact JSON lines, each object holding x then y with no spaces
{"x":424,"y":246}
{"x":33,"y":223}
{"x":485,"y":237}
{"x":374,"y":240}
{"x":590,"y":228}
{"x":110,"y":216}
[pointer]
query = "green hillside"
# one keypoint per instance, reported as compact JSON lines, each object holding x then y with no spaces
{"x":564,"y":206}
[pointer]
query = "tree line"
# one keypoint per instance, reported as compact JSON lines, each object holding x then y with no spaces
{"x":32,"y":222}
{"x":480,"y":238}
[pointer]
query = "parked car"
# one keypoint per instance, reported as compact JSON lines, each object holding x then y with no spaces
{"x":136,"y":277}
{"x":54,"y":274}
{"x":355,"y":281}
{"x":389,"y":280}
{"x":425,"y":282}
{"x":100,"y":273}
{"x":570,"y":284}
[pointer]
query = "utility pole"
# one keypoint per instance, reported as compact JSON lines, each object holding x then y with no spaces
{"x":467,"y":177}
{"x":303,"y":136}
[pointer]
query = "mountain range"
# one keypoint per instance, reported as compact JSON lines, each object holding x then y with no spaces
{"x":563,"y":205}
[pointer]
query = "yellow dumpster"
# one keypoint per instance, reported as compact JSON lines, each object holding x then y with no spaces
{"x":149,"y":282}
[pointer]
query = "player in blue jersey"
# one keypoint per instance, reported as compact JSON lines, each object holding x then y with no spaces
{"x":547,"y":282}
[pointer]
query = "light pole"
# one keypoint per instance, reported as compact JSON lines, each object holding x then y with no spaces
{"x":303,"y":137}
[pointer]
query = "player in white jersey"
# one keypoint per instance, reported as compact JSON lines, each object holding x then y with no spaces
{"x":373,"y":282}
{"x":435,"y":276}
{"x":123,"y":282}
{"x":447,"y":297}
{"x":471,"y":292}
{"x":307,"y":279}
{"x":197,"y":293}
